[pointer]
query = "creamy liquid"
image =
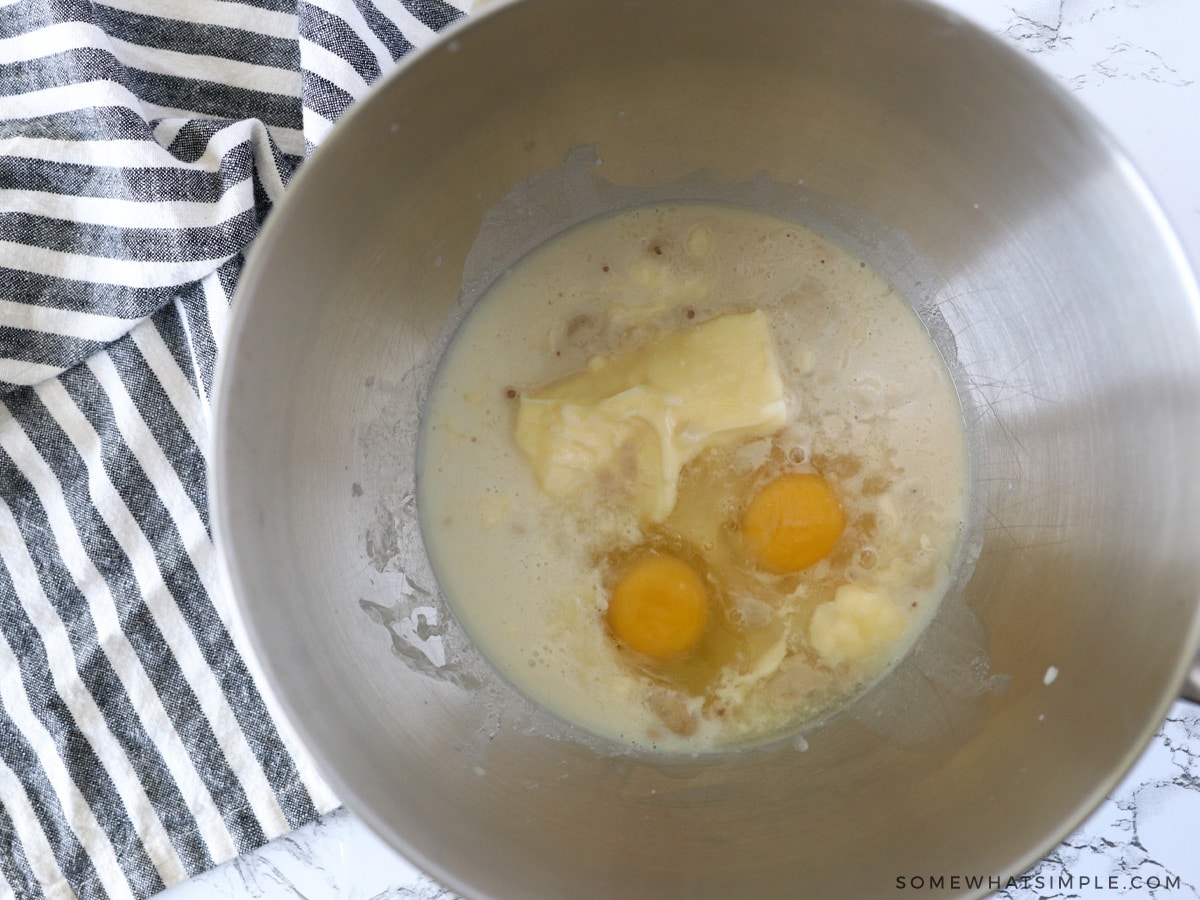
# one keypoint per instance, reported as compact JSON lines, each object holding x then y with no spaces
{"x":871,"y":408}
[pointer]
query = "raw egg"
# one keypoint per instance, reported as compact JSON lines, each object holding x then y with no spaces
{"x":793,"y":522}
{"x":659,"y":607}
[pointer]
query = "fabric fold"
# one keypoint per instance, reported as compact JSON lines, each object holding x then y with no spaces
{"x":142,"y":145}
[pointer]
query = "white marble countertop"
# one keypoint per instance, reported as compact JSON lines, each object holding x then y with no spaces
{"x":1134,"y":64}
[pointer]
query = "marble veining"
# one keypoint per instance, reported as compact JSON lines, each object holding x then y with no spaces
{"x":1133,"y":64}
{"x":1093,"y":40}
{"x":1039,"y":28}
{"x":1140,"y":841}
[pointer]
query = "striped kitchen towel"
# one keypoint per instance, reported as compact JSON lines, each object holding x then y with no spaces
{"x":142,"y":142}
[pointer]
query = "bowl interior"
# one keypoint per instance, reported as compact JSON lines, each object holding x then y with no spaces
{"x":1017,"y":230}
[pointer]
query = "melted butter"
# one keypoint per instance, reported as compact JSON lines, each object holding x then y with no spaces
{"x":641,"y":416}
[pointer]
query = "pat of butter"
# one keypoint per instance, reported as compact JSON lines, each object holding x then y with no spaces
{"x":639,"y":418}
{"x":858,"y":625}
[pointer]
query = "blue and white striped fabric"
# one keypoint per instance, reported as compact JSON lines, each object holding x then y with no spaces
{"x":142,"y":142}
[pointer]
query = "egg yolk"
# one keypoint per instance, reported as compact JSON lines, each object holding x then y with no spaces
{"x":659,"y":607}
{"x":792,"y":522}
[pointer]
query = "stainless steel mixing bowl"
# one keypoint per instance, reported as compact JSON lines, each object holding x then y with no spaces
{"x":1045,"y":271}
